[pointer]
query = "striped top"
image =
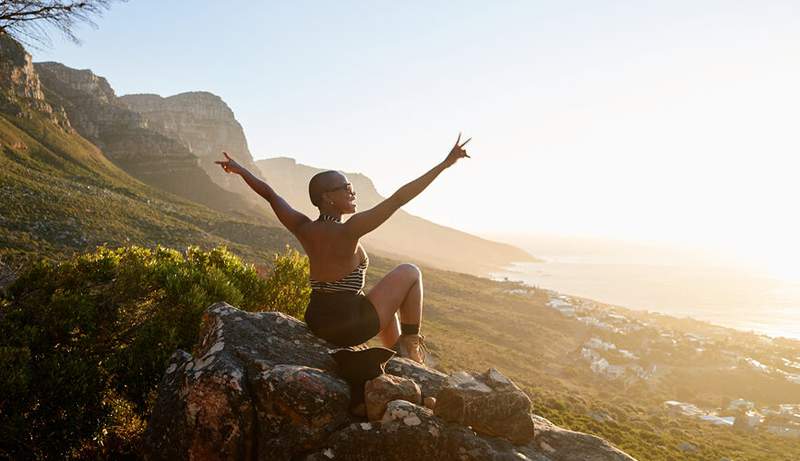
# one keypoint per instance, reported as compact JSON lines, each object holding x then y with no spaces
{"x":352,"y":282}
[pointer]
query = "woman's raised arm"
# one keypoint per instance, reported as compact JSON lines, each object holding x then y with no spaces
{"x":288,"y":216}
{"x":366,"y":221}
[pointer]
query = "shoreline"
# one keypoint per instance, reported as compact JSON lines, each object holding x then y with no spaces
{"x":775,"y":329}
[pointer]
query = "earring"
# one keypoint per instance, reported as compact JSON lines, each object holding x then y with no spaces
{"x":331,"y":203}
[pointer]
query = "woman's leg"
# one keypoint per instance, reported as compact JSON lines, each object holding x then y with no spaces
{"x":399,"y":290}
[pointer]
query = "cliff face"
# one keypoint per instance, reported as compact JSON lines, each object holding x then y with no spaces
{"x":20,"y":88}
{"x":126,"y":138}
{"x":203,"y":123}
{"x":404,"y":235}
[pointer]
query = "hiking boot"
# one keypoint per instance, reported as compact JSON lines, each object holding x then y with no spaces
{"x":412,"y":347}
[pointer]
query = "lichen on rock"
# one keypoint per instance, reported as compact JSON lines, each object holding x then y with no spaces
{"x":260,"y":386}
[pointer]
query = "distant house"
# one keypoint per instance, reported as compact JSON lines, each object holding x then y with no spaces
{"x":792,"y":377}
{"x":719,"y":420}
{"x":739,"y":404}
{"x":790,"y":363}
{"x":784,"y":431}
{"x":628,"y":354}
{"x":562,"y":305}
{"x":615,"y":371}
{"x":752,"y":419}
{"x":789,"y":409}
{"x":756,"y":365}
{"x":617,"y":317}
{"x":683,"y":408}
{"x":593,"y":322}
{"x":597,"y":343}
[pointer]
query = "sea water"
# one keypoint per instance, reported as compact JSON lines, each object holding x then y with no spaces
{"x":726,"y":296}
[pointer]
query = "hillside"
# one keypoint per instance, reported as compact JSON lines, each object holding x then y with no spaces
{"x":59,"y":193}
{"x":125,"y":138}
{"x":203,"y":123}
{"x":403,"y":236}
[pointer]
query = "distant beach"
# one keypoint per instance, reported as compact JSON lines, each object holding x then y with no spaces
{"x":720,"y":295}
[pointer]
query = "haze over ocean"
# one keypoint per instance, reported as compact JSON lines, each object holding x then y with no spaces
{"x":672,"y":281}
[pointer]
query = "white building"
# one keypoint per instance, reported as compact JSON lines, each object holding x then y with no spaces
{"x":719,"y":420}
{"x":597,"y":343}
{"x":741,"y":404}
{"x":752,"y":419}
{"x":562,"y":305}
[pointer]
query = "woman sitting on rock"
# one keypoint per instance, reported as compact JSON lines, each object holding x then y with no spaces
{"x":339,"y":311}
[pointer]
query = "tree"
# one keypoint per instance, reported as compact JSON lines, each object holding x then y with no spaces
{"x":29,"y":21}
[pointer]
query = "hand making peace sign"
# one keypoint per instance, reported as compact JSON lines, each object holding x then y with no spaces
{"x":230,"y":165}
{"x":457,"y":152}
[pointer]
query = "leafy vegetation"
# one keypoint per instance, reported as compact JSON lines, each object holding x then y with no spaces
{"x":86,"y":340}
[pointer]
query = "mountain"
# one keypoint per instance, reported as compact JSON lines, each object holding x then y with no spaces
{"x":203,"y":123}
{"x":59,"y":193}
{"x":404,"y":235}
{"x":126,"y":139}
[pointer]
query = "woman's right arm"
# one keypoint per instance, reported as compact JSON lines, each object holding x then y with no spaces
{"x":367,"y":221}
{"x":288,"y":216}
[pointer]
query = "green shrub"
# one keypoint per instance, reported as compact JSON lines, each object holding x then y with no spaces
{"x":85,"y":341}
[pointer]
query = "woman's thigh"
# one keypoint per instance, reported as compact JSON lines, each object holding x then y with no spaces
{"x":388,"y":294}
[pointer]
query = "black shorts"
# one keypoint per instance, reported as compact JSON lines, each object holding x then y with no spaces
{"x":342,"y":318}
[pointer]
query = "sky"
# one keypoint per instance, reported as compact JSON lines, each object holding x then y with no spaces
{"x":671,"y":121}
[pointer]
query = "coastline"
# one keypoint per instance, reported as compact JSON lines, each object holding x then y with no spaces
{"x":731,"y":299}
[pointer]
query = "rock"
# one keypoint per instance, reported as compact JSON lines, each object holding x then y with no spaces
{"x":261,"y":386}
{"x":409,"y":431}
{"x":385,"y":388}
{"x":21,"y":89}
{"x":430,"y":381}
{"x":203,"y":123}
{"x":129,"y":141}
{"x":560,"y":444}
{"x":430,"y":403}
{"x":490,"y":403}
{"x":687,"y":447}
{"x":302,"y":407}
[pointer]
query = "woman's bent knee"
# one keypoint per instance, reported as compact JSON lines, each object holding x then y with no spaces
{"x":410,"y":270}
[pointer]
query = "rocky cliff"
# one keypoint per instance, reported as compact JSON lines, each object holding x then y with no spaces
{"x":127,"y":139}
{"x":203,"y":123}
{"x":20,"y":88}
{"x":404,"y":235}
{"x":261,"y":386}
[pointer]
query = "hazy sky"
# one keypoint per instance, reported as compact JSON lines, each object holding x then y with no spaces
{"x":671,"y":121}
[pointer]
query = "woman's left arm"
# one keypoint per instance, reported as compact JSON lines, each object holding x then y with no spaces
{"x":367,"y":221}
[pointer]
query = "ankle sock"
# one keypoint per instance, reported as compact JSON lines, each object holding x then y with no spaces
{"x":409,"y":328}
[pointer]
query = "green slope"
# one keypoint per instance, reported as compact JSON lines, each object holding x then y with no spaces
{"x":58,"y":194}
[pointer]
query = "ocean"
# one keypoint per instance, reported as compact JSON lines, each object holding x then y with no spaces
{"x":668,"y":282}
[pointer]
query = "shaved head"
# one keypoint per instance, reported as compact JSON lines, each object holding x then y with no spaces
{"x":323,"y":182}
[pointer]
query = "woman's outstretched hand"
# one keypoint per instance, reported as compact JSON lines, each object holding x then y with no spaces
{"x":456,"y":152}
{"x":230,"y":165}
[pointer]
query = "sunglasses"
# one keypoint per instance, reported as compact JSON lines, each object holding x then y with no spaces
{"x":346,"y":186}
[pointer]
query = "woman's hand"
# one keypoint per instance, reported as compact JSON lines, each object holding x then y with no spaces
{"x":230,"y":165}
{"x":456,"y":152}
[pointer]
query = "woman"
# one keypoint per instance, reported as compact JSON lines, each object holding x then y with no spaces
{"x":339,"y":311}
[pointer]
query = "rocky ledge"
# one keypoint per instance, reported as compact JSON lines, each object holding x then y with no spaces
{"x":262,"y":386}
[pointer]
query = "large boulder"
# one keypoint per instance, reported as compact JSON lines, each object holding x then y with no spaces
{"x":560,"y":444}
{"x":490,"y":403}
{"x":262,"y":386}
{"x":380,"y":391}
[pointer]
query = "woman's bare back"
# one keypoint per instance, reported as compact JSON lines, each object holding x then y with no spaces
{"x":332,"y":253}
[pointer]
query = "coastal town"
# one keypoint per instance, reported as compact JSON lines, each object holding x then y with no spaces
{"x":626,"y":348}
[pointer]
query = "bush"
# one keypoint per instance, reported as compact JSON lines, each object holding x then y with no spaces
{"x":83,"y":343}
